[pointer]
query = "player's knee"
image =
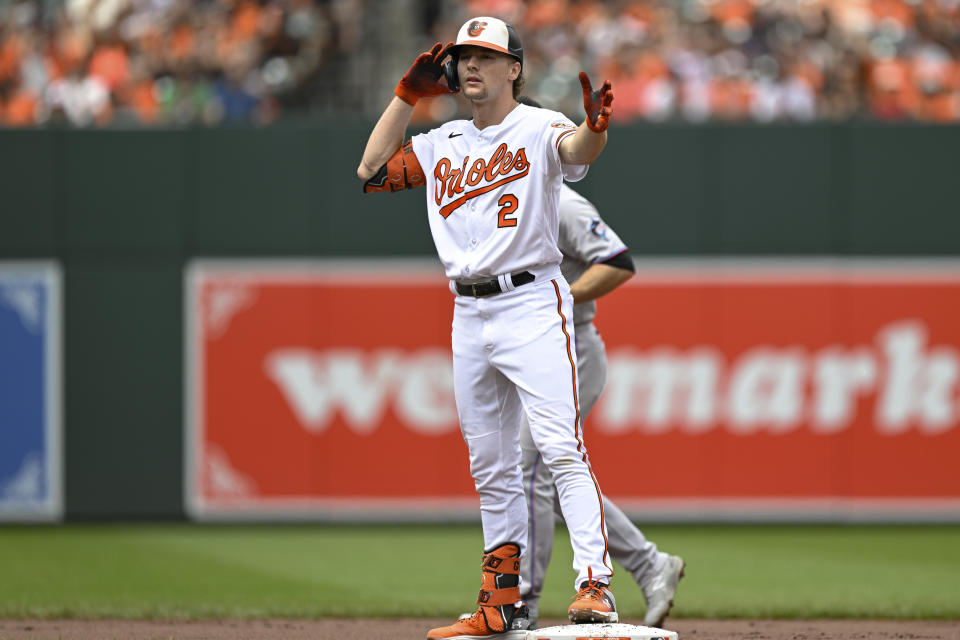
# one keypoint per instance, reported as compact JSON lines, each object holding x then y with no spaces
{"x":565,"y":467}
{"x":557,"y":450}
{"x":561,"y":462}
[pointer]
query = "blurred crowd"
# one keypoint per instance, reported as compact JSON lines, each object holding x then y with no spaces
{"x":148,"y":62}
{"x":152,"y":62}
{"x":736,"y":60}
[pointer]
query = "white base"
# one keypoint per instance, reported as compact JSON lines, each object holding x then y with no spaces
{"x":612,"y":631}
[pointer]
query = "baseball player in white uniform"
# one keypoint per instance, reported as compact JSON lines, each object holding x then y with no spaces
{"x":595,"y":262}
{"x":492,"y":191}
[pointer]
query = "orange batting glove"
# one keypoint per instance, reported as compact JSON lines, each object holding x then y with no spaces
{"x":423,"y":78}
{"x":597,"y":104}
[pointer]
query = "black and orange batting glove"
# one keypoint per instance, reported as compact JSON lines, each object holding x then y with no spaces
{"x":597,"y":104}
{"x":423,"y":78}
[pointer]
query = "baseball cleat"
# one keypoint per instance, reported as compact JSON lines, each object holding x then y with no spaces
{"x":593,"y":603}
{"x":476,"y":627}
{"x":659,"y":592}
{"x":498,"y":615}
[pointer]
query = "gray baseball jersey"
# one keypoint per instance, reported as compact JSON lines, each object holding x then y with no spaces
{"x":584,"y":240}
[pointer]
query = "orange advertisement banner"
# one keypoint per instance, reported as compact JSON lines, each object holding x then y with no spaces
{"x":734,"y":389}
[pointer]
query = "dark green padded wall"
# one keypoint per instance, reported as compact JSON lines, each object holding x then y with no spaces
{"x":123,"y":211}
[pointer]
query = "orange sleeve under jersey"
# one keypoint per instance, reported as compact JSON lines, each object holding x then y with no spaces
{"x":402,"y":171}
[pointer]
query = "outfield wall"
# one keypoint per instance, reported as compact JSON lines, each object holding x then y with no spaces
{"x":124,"y":213}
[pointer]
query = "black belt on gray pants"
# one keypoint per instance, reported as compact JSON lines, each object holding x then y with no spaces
{"x":492,"y":287}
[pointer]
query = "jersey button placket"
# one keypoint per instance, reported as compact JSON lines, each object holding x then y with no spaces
{"x":473,"y":225}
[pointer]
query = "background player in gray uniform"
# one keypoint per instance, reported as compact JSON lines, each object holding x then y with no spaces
{"x":595,"y":262}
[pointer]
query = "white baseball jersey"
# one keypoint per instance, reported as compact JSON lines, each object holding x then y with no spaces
{"x":584,"y":240}
{"x":492,"y":201}
{"x":492,"y":193}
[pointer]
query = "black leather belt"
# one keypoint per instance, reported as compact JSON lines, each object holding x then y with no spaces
{"x":492,"y":287}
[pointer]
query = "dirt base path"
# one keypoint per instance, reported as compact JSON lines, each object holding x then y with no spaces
{"x":415,"y":629}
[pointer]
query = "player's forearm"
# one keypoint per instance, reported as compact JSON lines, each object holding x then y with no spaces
{"x":583,"y":147}
{"x":386,"y":138}
{"x":597,"y":281}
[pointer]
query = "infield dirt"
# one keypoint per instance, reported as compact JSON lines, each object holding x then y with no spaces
{"x":415,"y":629}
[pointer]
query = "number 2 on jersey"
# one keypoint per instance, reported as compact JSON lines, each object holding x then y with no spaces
{"x":509,"y":204}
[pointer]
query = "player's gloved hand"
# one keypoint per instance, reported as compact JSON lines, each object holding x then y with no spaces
{"x":423,"y":78}
{"x":597,"y":103}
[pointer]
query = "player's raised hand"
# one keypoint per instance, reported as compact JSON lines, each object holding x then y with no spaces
{"x":597,"y":104}
{"x":423,"y":78}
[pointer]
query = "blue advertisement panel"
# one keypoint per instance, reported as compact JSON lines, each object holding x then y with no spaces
{"x":30,"y":407}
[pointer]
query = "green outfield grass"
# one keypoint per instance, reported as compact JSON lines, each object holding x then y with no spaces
{"x":184,"y":571}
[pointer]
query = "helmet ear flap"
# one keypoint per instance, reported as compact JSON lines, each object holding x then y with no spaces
{"x":450,"y":72}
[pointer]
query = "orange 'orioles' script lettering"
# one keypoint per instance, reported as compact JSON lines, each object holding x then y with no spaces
{"x":499,"y":169}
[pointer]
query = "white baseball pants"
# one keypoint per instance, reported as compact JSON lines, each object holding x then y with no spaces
{"x":628,"y":545}
{"x":514,"y":354}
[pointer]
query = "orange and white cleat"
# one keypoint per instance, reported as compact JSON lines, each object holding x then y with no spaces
{"x":479,"y":626}
{"x":498,"y":615}
{"x":593,"y":603}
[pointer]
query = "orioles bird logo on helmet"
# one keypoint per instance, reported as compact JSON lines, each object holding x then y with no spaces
{"x":476,"y":28}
